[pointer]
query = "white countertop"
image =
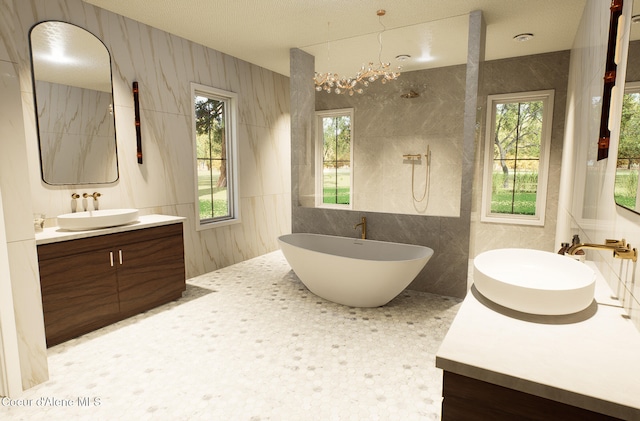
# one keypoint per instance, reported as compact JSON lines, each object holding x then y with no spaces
{"x":590,"y":360}
{"x":55,"y":234}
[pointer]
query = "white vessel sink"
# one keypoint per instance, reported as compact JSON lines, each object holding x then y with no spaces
{"x":534,"y":281}
{"x":81,"y":221}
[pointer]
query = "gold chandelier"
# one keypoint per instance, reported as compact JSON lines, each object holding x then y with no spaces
{"x":331,"y":82}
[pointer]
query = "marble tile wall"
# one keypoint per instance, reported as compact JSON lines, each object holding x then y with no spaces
{"x":387,"y":126}
{"x":303,"y":126}
{"x":521,"y":74}
{"x":19,"y":266}
{"x":10,"y":348}
{"x":446,"y":272}
{"x":586,"y":204}
{"x":163,"y":65}
{"x":76,"y":134}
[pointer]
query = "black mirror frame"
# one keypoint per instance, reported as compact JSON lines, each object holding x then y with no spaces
{"x":35,"y":107}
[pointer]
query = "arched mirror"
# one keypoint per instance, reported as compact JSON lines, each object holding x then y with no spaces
{"x":71,"y":71}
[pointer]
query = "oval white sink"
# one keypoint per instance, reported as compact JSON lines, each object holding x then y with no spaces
{"x":534,"y":281}
{"x":104,"y":218}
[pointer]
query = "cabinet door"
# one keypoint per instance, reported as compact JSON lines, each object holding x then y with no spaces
{"x":151,"y":272}
{"x":79,"y":294}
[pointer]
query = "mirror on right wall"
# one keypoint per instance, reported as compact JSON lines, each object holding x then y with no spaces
{"x":626,"y":192}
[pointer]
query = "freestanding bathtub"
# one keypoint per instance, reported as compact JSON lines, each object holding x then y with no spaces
{"x":353,"y":272}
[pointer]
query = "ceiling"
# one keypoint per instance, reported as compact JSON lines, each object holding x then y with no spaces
{"x":67,"y":54}
{"x":343,"y":34}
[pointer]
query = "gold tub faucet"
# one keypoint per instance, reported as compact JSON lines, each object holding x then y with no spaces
{"x":364,"y":227}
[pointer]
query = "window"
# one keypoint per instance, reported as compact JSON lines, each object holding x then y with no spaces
{"x":214,"y":113}
{"x":517,"y":157}
{"x":628,"y":160}
{"x":334,"y":159}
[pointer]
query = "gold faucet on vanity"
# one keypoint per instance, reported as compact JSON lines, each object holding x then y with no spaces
{"x":74,"y":206}
{"x":95,"y":196}
{"x":620,"y":248}
{"x":364,"y":227}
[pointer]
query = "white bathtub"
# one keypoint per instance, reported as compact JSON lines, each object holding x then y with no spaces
{"x":353,"y":272}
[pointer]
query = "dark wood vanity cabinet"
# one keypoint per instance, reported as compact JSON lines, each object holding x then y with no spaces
{"x":152,"y":272}
{"x":467,"y":399}
{"x":92,"y":282}
{"x":76,"y":296}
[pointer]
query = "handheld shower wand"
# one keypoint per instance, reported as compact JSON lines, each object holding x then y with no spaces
{"x":427,"y":176}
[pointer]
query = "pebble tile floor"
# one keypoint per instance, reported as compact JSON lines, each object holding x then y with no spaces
{"x":250,"y":342}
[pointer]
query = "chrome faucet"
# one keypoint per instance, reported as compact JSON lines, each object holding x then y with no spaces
{"x":620,"y":248}
{"x":364,"y":227}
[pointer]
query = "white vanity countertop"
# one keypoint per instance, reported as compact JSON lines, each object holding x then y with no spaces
{"x":587,"y":360}
{"x":55,"y":234}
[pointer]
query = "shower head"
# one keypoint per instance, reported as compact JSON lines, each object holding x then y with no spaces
{"x":409,"y":95}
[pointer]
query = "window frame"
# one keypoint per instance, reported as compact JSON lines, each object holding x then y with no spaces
{"x":231,"y":111}
{"x":631,"y":87}
{"x":538,"y":219}
{"x":319,"y":191}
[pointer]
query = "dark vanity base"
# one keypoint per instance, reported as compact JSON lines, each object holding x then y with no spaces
{"x":467,"y":399}
{"x":93,"y":282}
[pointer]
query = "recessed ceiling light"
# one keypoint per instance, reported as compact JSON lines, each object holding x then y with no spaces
{"x":523,"y":37}
{"x":403,"y":57}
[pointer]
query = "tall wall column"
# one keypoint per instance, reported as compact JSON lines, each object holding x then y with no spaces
{"x":21,"y":258}
{"x":471,"y":135}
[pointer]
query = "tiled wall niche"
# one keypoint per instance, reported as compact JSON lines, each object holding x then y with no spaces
{"x":387,"y":126}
